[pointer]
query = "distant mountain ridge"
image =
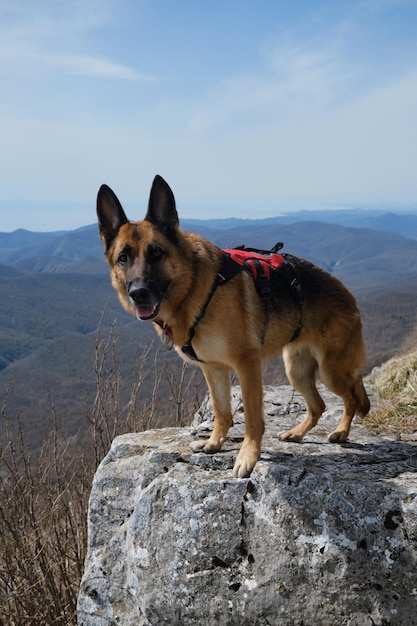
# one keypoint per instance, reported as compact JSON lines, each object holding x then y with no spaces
{"x":21,"y":237}
{"x":361,"y":257}
{"x":84,"y":241}
{"x":400,"y":223}
{"x":72,"y":245}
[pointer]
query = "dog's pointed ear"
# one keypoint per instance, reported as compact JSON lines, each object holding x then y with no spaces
{"x":110,"y":215}
{"x":161,"y":208}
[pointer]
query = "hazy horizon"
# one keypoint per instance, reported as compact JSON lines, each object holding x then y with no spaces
{"x":370,"y":210}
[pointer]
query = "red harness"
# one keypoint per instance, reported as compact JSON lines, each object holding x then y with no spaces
{"x":260,"y":264}
{"x":267,"y":260}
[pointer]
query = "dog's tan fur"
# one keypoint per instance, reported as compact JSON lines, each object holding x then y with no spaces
{"x":171,"y":273}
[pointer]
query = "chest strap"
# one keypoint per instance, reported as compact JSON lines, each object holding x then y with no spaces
{"x":187,"y":348}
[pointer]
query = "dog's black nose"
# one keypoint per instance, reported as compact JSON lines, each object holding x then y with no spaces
{"x":139,"y":295}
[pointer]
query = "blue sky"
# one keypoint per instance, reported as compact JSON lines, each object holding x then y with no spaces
{"x":246,"y":108}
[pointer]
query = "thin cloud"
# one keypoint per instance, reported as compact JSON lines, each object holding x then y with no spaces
{"x":51,"y":36}
{"x":292,"y":80}
{"x":86,"y":65}
{"x":296,"y":82}
{"x":20,"y":60}
{"x":99,"y":67}
{"x":52,"y":18}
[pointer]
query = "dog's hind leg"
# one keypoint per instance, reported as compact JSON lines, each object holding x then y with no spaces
{"x":218,"y":381}
{"x":301,"y":368}
{"x":250,"y":378}
{"x":353,"y":394}
{"x":363,"y":405}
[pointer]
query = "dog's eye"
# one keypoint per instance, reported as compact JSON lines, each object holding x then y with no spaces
{"x":155,"y":253}
{"x":123,"y":258}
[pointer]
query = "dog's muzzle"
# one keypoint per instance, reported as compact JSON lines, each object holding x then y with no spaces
{"x":144,"y":300}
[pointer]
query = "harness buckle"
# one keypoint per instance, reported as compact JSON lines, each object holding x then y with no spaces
{"x":265,"y":290}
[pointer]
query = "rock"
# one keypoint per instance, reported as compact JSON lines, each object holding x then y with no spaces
{"x":320,"y":534}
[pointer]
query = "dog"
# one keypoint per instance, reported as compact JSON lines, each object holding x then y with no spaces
{"x":170,"y":277}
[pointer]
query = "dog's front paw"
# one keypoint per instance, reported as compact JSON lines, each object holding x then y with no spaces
{"x":243,"y":468}
{"x":246,"y":460}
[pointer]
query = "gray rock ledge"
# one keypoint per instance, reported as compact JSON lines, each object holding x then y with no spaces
{"x":320,"y":534}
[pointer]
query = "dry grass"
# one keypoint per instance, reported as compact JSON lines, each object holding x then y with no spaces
{"x":395,"y":383}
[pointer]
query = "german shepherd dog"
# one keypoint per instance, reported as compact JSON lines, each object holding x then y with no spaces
{"x":168,"y":276}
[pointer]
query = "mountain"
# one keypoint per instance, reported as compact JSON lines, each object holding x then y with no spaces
{"x":358,"y":256}
{"x":70,"y":245}
{"x":391,"y":222}
{"x":25,"y":238}
{"x":82,"y":242}
{"x":400,"y":223}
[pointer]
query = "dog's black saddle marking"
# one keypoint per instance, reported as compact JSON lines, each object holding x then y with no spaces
{"x":261,"y":264}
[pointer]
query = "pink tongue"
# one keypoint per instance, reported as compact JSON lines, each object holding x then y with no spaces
{"x":144,"y":311}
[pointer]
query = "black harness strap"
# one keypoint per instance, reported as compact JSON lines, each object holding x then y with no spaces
{"x":187,"y":348}
{"x":228,"y":269}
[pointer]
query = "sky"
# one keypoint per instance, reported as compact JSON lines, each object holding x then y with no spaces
{"x":246,"y":108}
